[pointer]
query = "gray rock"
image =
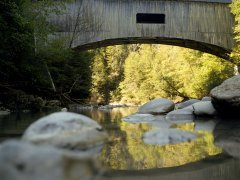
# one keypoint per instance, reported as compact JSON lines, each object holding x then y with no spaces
{"x":206,"y":98}
{"x":139,"y":118}
{"x":168,"y":136}
{"x":226,"y":97}
{"x":186,"y":103}
{"x":5,"y":112}
{"x":204,"y":108}
{"x":181,"y":115}
{"x":66,"y":130}
{"x":157,"y":106}
{"x":64,"y":110}
{"x":155,"y":121}
{"x":25,"y":161}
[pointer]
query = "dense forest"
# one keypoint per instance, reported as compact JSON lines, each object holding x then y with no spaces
{"x":35,"y":70}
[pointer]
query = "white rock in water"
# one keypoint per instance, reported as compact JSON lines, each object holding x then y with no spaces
{"x":181,"y":115}
{"x":204,"y":108}
{"x":168,"y":136}
{"x":66,"y":130}
{"x":157,"y":106}
{"x":64,"y":109}
{"x":186,"y":103}
{"x":24,"y":161}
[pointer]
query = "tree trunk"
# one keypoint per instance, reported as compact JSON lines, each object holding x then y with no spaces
{"x":50,"y":78}
{"x":236,"y":69}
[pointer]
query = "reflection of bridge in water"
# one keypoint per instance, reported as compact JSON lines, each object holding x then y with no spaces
{"x":204,"y":25}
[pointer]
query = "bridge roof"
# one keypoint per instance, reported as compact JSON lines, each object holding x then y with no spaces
{"x":217,"y":1}
{"x":210,"y":1}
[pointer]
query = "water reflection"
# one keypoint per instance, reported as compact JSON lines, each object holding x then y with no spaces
{"x":218,"y":167}
{"x":14,"y":124}
{"x":127,"y":150}
{"x":227,"y":136}
{"x":152,"y":156}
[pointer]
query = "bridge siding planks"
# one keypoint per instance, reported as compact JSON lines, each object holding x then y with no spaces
{"x":210,"y":23}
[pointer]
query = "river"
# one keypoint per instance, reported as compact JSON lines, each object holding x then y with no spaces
{"x":127,"y":152}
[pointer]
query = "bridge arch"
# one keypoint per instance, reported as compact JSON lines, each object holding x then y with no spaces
{"x":200,"y":46}
{"x":205,"y":25}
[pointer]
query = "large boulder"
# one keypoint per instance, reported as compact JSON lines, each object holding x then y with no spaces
{"x":204,"y":108}
{"x":25,"y":161}
{"x":226,"y":97}
{"x":186,"y":103}
{"x":157,"y":106}
{"x":168,"y":136}
{"x":66,"y":130}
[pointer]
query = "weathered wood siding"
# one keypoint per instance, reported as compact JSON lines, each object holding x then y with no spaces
{"x":200,"y":21}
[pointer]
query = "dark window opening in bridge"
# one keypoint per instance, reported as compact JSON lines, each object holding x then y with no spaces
{"x":147,"y":18}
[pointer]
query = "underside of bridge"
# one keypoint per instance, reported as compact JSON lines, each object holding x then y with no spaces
{"x":200,"y":46}
{"x":205,"y":25}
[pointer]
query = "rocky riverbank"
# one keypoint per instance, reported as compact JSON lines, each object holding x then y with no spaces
{"x":163,"y":115}
{"x":19,"y":101}
{"x":66,"y":145}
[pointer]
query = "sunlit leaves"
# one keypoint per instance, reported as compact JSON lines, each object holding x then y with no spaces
{"x":172,"y":72}
{"x":235,"y":8}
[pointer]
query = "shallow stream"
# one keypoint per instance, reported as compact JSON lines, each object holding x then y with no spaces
{"x":127,"y":151}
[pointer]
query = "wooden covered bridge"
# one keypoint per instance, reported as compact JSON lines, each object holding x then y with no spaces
{"x":205,"y":25}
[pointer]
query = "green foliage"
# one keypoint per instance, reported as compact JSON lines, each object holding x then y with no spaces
{"x":37,"y":14}
{"x":171,"y":72}
{"x":15,"y":37}
{"x":107,"y":72}
{"x":70,"y":70}
{"x":31,"y":61}
{"x":235,"y":8}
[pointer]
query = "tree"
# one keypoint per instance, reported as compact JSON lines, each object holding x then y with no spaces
{"x":172,"y":72}
{"x":15,"y":37}
{"x":107,"y":73}
{"x":235,"y":8}
{"x":37,"y":14}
